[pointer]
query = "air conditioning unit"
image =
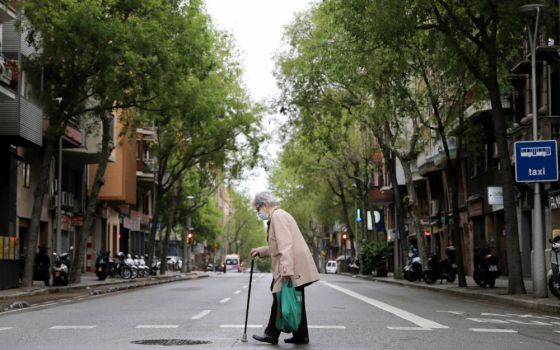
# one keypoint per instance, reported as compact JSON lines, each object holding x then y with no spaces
{"x":64,"y":198}
{"x":434,"y":206}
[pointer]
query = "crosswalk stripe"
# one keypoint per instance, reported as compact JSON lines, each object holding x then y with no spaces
{"x":157,"y":326}
{"x":419,"y":321}
{"x":201,"y":315}
{"x":72,"y":327}
{"x":224,"y":300}
{"x":5,"y":328}
{"x":409,"y":329}
{"x":492,"y":330}
{"x":237,"y":292}
{"x":326,"y":327}
{"x":240,"y":326}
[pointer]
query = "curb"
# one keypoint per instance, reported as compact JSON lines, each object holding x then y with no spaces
{"x":543,"y":305}
{"x":120,"y":285}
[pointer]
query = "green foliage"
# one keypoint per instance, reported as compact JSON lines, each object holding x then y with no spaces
{"x":375,"y":254}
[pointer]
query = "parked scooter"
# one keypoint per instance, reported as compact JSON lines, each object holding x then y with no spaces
{"x":486,"y":268}
{"x":413,"y":270}
{"x":141,"y":267}
{"x":102,"y":265}
{"x":122,"y":268}
{"x":61,"y":268}
{"x":441,"y":269}
{"x":130,"y":264}
{"x":554,"y":272}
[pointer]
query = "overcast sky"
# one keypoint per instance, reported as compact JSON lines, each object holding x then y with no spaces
{"x":257,"y":27}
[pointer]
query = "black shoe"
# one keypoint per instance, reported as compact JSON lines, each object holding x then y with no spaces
{"x":297,"y":340}
{"x":265,"y":338}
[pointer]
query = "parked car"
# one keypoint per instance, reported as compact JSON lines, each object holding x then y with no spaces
{"x":232,"y":263}
{"x":331,"y":266}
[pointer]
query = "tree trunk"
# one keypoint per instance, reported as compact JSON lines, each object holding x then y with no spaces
{"x":399,"y":240}
{"x":93,"y":200}
{"x":515,"y":273}
{"x":35,"y":225}
{"x":413,"y":203}
{"x":155,"y":218}
{"x":170,"y":224}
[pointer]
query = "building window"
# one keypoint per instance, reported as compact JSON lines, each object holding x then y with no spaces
{"x":26,"y":175}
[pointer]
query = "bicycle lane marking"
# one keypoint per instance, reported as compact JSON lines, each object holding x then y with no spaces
{"x":421,"y":322}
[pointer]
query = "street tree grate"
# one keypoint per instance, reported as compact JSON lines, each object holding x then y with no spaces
{"x":170,"y":342}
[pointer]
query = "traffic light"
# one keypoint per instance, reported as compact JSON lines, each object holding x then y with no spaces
{"x":189,"y":237}
{"x":344,"y":237}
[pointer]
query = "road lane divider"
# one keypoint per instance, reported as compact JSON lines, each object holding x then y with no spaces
{"x":5,"y":328}
{"x":157,"y":326}
{"x":492,"y":330}
{"x":201,"y":315}
{"x":408,"y":316}
{"x":73,"y":327}
{"x":224,"y":300}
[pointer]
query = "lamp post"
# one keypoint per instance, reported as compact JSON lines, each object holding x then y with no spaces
{"x":539,"y":273}
{"x":186,"y":267}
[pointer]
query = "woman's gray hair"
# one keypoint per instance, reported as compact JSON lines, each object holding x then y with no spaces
{"x":265,"y":197}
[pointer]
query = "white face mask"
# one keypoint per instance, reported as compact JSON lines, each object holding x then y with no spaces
{"x":262,"y":215}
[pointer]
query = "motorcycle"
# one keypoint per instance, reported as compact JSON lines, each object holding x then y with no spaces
{"x":441,"y":269}
{"x":413,"y":270}
{"x":102,"y":265}
{"x":140,"y":264}
{"x":60,"y":270}
{"x":130,"y":265}
{"x":486,"y":268}
{"x":554,"y":272}
{"x":122,"y":268}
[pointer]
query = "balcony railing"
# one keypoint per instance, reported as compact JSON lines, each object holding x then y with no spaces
{"x":23,"y":125}
{"x":11,"y":41}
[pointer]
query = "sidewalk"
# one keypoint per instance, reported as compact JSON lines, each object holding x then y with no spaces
{"x":90,"y":281}
{"x":472,"y":291}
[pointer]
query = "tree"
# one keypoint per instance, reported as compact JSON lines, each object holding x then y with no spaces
{"x":483,"y":34}
{"x":93,"y":58}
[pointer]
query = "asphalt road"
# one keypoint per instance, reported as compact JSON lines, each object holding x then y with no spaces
{"x":343,"y":313}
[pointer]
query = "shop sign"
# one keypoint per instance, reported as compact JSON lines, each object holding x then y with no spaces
{"x":77,"y":220}
{"x":495,"y":195}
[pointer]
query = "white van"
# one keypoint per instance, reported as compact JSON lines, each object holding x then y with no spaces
{"x":331,"y":266}
{"x":232,"y":263}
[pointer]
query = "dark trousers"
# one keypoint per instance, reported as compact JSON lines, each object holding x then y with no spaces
{"x":302,"y":331}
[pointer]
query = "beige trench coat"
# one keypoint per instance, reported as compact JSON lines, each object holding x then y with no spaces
{"x":289,"y":252}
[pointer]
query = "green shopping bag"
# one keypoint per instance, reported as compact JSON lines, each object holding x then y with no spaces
{"x":288,"y":312}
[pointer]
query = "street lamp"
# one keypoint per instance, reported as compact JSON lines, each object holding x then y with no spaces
{"x":539,"y":273}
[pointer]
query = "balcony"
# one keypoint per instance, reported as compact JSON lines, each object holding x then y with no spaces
{"x":23,"y":126}
{"x":480,"y":107}
{"x":380,"y":196}
{"x":7,"y":10}
{"x":11,"y":41}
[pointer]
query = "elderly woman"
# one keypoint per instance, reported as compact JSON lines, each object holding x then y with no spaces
{"x":291,"y":260}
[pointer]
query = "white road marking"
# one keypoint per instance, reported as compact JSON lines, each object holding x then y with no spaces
{"x":419,"y":321}
{"x":492,"y":330}
{"x":487,"y":320}
{"x":66,"y":300}
{"x":224,"y":300}
{"x":409,"y":329}
{"x":531,"y":323}
{"x":201,"y":315}
{"x":72,"y":327}
{"x":157,"y":326}
{"x":260,"y":326}
{"x":5,"y":328}
{"x":244,"y":287}
{"x":452,"y":312}
{"x":557,"y":331}
{"x":237,"y":292}
{"x":514,"y":315}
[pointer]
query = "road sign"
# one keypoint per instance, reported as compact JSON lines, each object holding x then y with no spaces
{"x":536,"y":161}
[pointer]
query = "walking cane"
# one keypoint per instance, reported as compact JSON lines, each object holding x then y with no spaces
{"x":244,"y":337}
